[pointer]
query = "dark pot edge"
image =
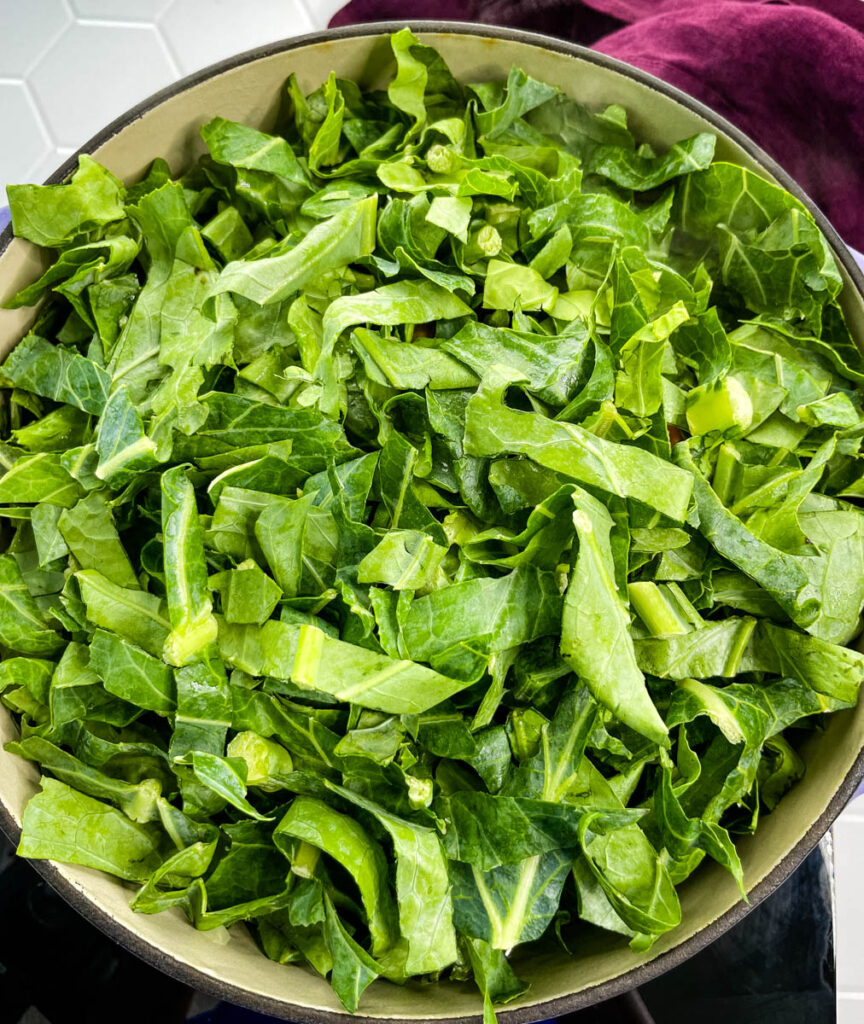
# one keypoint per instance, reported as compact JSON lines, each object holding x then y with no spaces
{"x":665,"y":961}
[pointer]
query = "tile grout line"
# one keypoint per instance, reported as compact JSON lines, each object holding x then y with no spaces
{"x":41,"y":113}
{"x":304,"y":7}
{"x":30,"y":173}
{"x":52,"y":39}
{"x":173,"y":54}
{"x":114,"y":23}
{"x":173,"y":61}
{"x":41,"y":119}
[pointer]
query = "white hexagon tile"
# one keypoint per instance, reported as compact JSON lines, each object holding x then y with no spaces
{"x":69,"y":67}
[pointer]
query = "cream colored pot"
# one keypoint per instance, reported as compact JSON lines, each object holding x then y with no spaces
{"x":228,"y":963}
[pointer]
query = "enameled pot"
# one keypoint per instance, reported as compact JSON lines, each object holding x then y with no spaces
{"x":227,"y":963}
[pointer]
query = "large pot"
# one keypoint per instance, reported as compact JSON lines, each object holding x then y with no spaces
{"x":228,"y":964}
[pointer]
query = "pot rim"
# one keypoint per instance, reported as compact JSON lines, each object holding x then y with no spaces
{"x":631,"y":979}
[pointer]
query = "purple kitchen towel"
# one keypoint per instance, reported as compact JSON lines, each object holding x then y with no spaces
{"x":790,"y":74}
{"x":4,"y":217}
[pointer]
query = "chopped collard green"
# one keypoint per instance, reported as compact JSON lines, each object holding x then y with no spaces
{"x":430,"y":526}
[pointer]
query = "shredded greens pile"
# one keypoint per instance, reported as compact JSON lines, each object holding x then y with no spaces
{"x":429,"y":526}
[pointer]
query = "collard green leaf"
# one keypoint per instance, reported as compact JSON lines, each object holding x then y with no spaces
{"x":733,"y":646}
{"x":510,"y":904}
{"x":365,"y":678}
{"x":407,"y":90}
{"x":342,"y":838}
{"x":639,"y":386}
{"x":787,"y":266}
{"x":487,"y":831}
{"x":184,"y":866}
{"x":228,"y":234}
{"x":226,"y":776}
{"x":133,"y":614}
{"x":422,"y":891}
{"x":595,"y":637}
{"x":241,"y":146}
{"x":344,"y":238}
{"x":63,"y":824}
{"x":494,"y":977}
{"x":780,"y":574}
{"x":521,"y":94}
{"x":552,"y":364}
{"x":557,"y":771}
{"x":280,"y":530}
{"x":492,"y":428}
{"x":510,"y":285}
{"x":58,"y":373}
{"x":137,"y":801}
{"x":122,"y":444}
{"x":248,"y":594}
{"x":79,"y":269}
{"x":91,"y":535}
{"x":703,"y":343}
{"x":739,"y":713}
{"x":484,"y":615}
{"x":53,"y":215}
{"x":395,"y":472}
{"x":271,"y":474}
{"x":57,"y":430}
{"x":779,"y":769}
{"x":32,"y":673}
{"x":163,"y":217}
{"x":293,"y":726}
{"x":404,"y":560}
{"x":39,"y":478}
{"x":353,"y":968}
{"x":409,"y":302}
{"x":630,"y":170}
{"x":682,"y":835}
{"x":547,"y":534}
{"x":247,"y":880}
{"x":22,"y":626}
{"x":834,"y":576}
{"x":131,"y":673}
{"x":633,"y":877}
{"x":77,"y":695}
{"x":265,"y":760}
{"x":190,"y":608}
{"x":404,"y":365}
{"x":204,"y":707}
{"x":234,"y":421}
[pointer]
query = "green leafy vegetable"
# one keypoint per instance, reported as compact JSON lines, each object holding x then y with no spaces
{"x":55,"y":215}
{"x":426,"y":523}
{"x":64,"y":824}
{"x":595,"y":636}
{"x":23,"y":628}
{"x":343,"y":838}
